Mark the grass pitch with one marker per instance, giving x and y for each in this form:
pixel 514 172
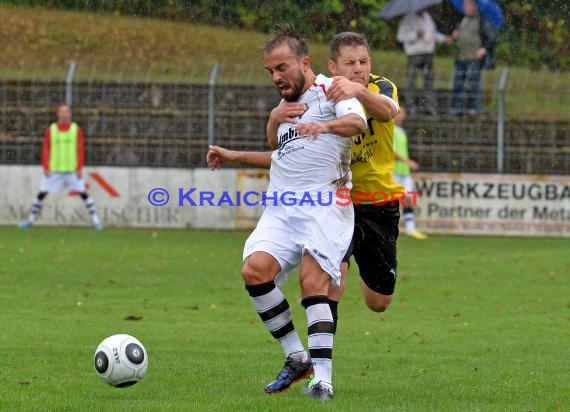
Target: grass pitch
pixel 477 324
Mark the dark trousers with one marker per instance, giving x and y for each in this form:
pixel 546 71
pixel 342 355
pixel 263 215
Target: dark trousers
pixel 466 87
pixel 422 63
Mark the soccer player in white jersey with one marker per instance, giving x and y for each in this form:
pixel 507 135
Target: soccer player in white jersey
pixel 312 156
pixel 376 226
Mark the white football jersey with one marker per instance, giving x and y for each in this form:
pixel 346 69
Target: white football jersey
pixel 320 164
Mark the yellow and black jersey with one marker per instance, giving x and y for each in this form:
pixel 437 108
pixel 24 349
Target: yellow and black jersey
pixel 373 158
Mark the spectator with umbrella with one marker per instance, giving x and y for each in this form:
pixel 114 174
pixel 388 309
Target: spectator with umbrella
pixel 476 39
pixel 418 33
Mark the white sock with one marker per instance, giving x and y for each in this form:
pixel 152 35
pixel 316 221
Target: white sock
pixel 36 209
pixel 90 205
pixel 274 311
pixel 320 337
pixel 410 219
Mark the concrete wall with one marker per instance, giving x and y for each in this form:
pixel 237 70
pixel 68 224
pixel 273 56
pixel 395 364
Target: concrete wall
pixel 465 204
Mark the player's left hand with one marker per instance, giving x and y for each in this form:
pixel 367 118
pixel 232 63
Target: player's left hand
pixel 342 89
pixel 311 130
pixel 218 156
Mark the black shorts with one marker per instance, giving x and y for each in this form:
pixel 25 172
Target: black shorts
pixel 374 245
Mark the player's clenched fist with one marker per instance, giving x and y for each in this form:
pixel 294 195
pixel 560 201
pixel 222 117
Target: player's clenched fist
pixel 342 89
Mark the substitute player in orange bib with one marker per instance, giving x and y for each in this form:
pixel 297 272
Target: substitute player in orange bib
pixel 62 161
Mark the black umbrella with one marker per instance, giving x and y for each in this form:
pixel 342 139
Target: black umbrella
pixel 396 8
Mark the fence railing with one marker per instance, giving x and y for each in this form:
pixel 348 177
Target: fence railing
pixel 167 119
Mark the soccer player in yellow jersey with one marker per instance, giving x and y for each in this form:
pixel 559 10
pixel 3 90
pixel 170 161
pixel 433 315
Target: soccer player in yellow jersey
pixel 376 227
pixel 372 165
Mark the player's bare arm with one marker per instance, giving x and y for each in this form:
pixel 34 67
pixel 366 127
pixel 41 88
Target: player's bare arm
pixel 410 162
pixel 345 126
pixel 218 156
pixel 380 107
pixel 285 112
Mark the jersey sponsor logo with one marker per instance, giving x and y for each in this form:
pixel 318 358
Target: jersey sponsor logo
pixel 358 139
pixel 362 157
pixel 287 137
pixel 366 145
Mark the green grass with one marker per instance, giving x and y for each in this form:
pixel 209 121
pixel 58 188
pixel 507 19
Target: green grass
pixel 477 324
pixel 39 43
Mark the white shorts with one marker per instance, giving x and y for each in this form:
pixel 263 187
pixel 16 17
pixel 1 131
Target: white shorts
pixel 406 181
pixel 287 232
pixel 57 182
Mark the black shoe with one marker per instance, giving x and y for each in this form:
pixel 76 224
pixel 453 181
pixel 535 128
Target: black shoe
pixel 319 391
pixel 293 371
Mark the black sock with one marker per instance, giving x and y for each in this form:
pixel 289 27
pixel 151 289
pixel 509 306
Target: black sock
pixel 334 311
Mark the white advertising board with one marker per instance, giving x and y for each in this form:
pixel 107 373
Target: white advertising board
pixel 485 204
pixel 123 198
pixel 463 204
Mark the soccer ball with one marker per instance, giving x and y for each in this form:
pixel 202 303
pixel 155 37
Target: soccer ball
pixel 121 360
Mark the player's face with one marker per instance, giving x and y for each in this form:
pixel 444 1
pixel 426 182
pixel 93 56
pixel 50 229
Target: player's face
pixel 64 114
pixel 287 72
pixel 353 62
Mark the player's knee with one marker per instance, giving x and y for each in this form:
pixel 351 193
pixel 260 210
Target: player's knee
pixel 377 306
pixel 314 283
pixel 379 303
pixel 250 275
pixel 307 284
pixel 257 271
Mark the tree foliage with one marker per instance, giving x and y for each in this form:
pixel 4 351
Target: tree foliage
pixel 536 33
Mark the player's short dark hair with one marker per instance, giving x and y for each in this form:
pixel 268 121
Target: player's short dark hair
pixel 284 33
pixel 347 38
